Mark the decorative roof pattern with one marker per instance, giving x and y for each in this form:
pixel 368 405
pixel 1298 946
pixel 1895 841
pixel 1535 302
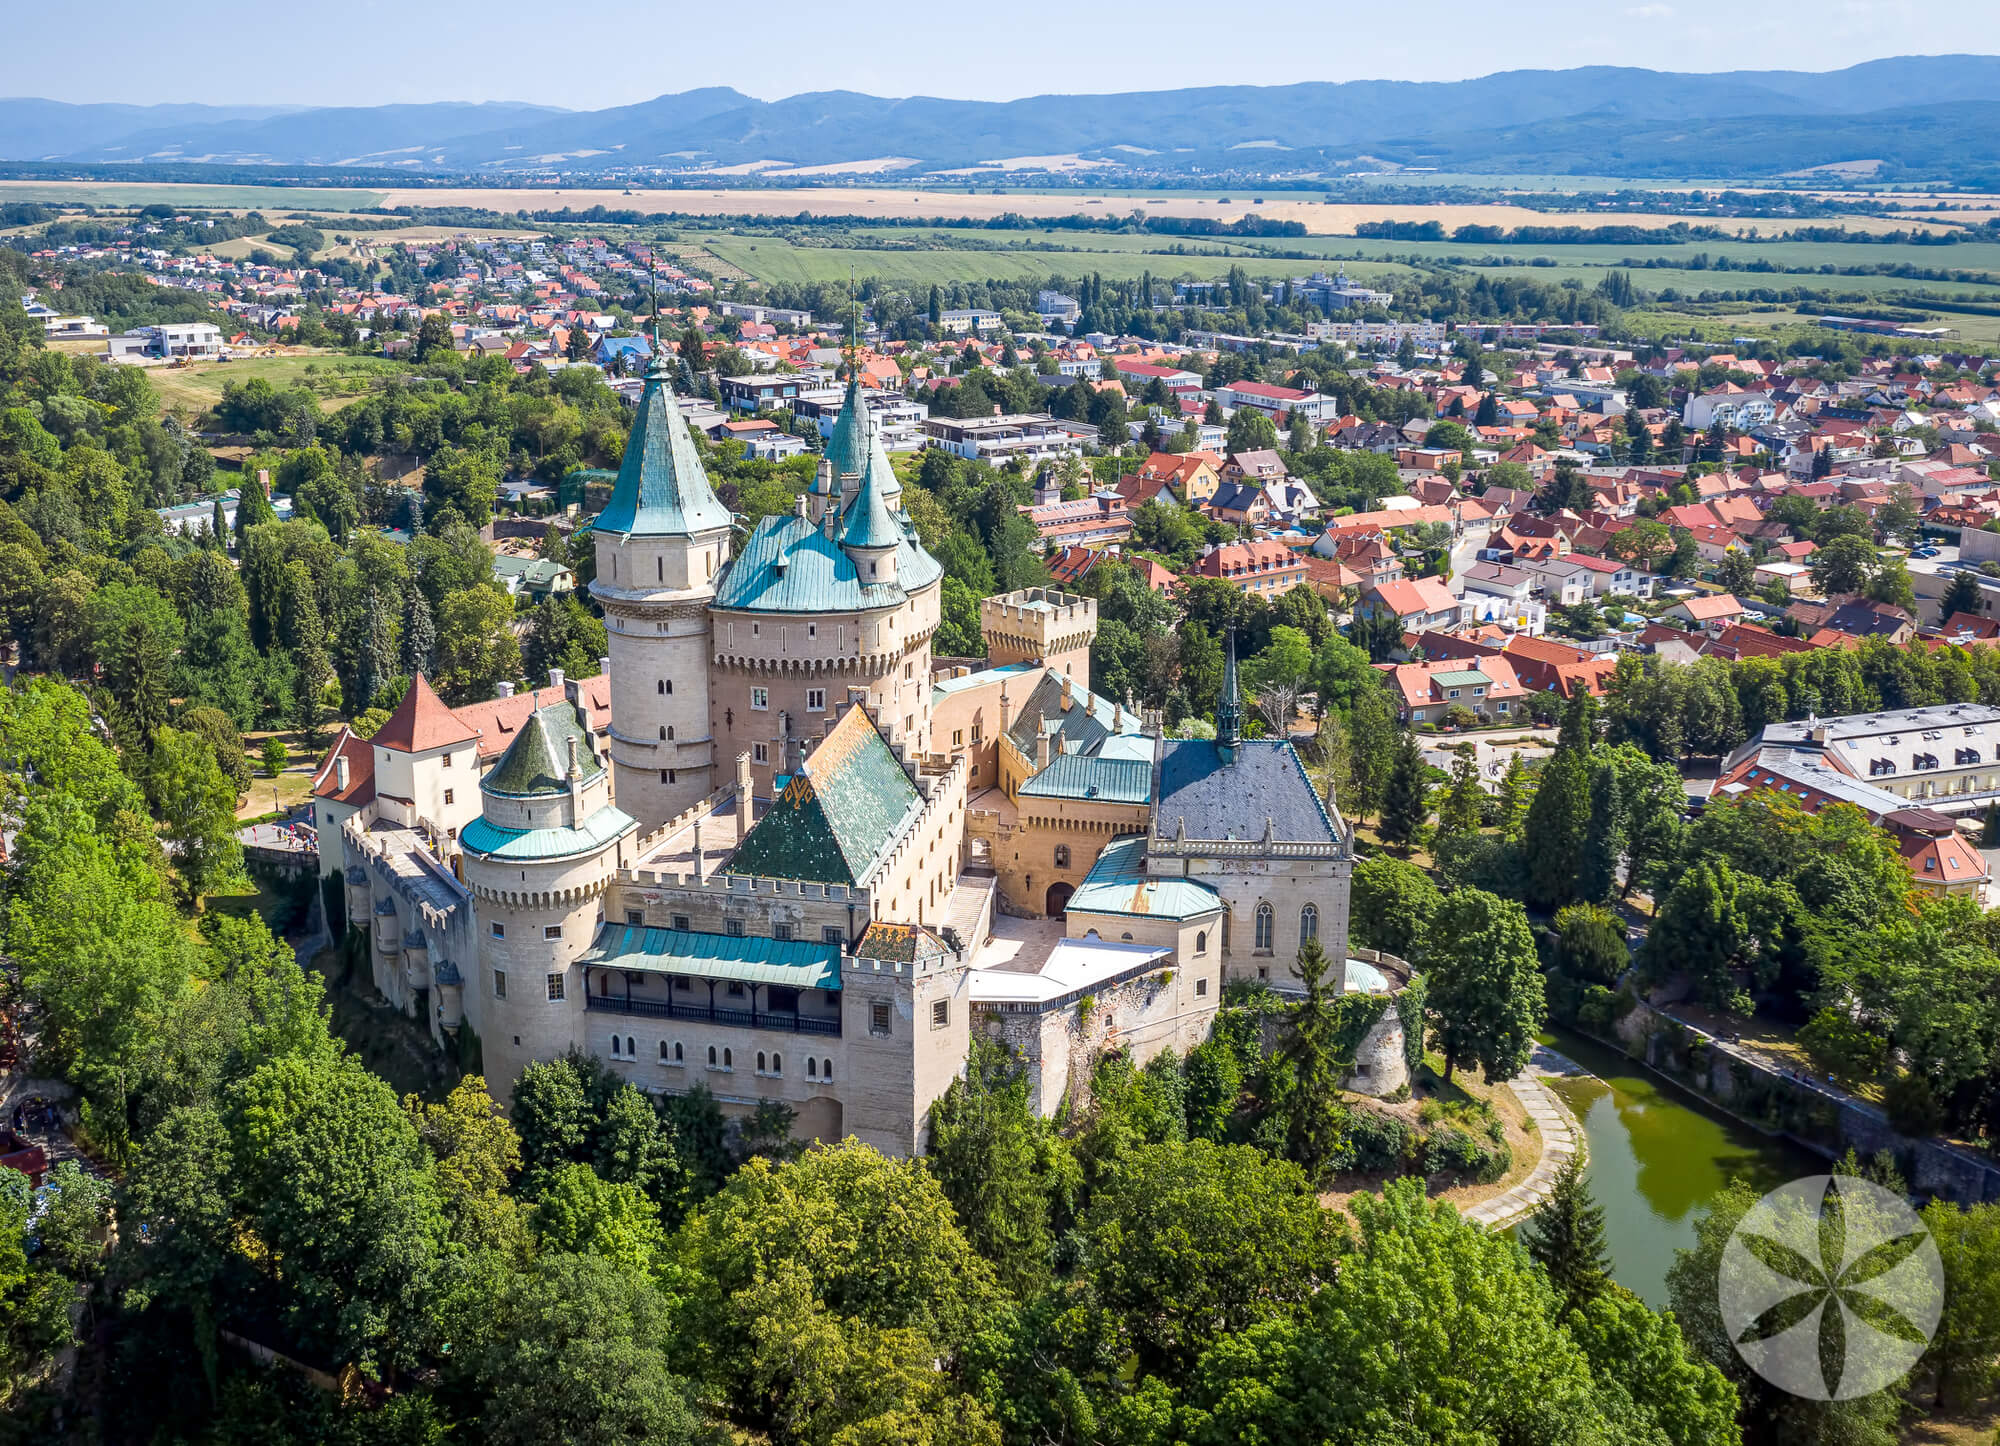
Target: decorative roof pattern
pixel 1119 884
pixel 899 943
pixel 662 490
pixel 838 817
pixel 1232 799
pixel 536 763
pixel 787 963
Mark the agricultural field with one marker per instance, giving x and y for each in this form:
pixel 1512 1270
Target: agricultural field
pixel 339 379
pixel 771 259
pixel 146 193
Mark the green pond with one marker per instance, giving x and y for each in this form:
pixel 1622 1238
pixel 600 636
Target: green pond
pixel 1657 1154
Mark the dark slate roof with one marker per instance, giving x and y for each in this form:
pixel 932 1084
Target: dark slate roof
pixel 661 489
pixel 836 818
pixel 536 763
pixel 1235 496
pixel 789 565
pixel 1231 800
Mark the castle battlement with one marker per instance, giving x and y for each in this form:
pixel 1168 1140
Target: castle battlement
pixel 1038 625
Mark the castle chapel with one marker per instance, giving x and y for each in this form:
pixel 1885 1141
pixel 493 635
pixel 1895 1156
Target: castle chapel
pixel 775 849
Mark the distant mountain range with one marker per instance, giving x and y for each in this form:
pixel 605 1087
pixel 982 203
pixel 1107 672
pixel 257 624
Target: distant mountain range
pixel 1915 115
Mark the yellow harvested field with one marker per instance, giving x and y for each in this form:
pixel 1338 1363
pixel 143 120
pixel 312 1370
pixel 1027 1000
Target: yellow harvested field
pixel 899 205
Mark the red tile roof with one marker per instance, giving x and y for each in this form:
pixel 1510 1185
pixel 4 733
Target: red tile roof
pixel 421 722
pixel 360 756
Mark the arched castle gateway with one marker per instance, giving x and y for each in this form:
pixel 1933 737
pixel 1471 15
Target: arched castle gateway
pixel 772 849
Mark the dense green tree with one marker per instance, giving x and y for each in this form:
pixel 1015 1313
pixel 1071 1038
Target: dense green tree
pixel 476 647
pixel 1553 834
pixel 1843 565
pixel 1391 904
pixel 478 1157
pixel 1565 1235
pixel 579 1211
pixel 1590 943
pixel 1965 1351
pixel 1485 984
pixel 1193 1243
pixel 197 808
pixel 576 1349
pixel 1405 796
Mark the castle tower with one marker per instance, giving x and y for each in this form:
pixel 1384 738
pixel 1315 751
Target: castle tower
pixel 538 859
pixel 869 534
pixel 660 542
pixel 1040 625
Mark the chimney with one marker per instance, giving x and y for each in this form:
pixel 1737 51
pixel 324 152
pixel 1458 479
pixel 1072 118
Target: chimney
pixel 743 785
pixel 697 848
pixel 604 667
pixel 264 480
pixel 1042 749
pixel 1006 709
pixel 506 690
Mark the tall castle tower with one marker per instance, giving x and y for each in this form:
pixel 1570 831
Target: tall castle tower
pixel 659 544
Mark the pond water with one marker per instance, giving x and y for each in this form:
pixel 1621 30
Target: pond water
pixel 1656 1156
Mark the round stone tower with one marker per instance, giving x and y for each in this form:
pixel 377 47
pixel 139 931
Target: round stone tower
pixel 538 859
pixel 660 542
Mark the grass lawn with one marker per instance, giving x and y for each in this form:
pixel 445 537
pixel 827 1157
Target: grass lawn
pixel 337 377
pixel 290 786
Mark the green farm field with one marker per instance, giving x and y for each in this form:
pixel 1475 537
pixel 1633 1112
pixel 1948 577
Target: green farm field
pixel 1792 255
pixel 770 259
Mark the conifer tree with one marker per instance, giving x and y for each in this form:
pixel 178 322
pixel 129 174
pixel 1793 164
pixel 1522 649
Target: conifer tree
pixel 1553 834
pixel 419 652
pixel 1404 802
pixel 1566 1238
pixel 376 662
pixel 1464 801
pixel 1603 839
pixel 1512 806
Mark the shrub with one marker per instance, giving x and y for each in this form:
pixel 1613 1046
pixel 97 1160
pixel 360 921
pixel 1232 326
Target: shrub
pixel 1451 1150
pixel 1913 1106
pixel 1377 1143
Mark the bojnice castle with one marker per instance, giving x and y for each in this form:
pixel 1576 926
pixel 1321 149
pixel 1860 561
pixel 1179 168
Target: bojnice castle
pixel 773 849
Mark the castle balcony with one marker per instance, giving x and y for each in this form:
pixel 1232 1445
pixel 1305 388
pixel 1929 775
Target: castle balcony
pixel 712 1014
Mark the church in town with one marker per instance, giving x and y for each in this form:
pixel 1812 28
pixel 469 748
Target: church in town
pixel 776 849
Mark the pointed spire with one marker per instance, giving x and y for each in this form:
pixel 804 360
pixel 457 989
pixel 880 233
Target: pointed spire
pixel 870 521
pixel 662 489
pixel 1229 708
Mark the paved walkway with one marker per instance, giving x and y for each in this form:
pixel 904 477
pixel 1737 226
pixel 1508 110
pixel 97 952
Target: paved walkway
pixel 1561 1138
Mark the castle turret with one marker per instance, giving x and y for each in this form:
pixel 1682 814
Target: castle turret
pixel 660 542
pixel 870 534
pixel 538 859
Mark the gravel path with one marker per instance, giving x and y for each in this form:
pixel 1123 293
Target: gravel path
pixel 1561 1137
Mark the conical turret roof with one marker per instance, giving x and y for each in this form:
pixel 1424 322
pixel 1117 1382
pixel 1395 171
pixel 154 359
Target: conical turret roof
pixel 847 448
pixel 536 763
pixel 662 490
pixel 869 521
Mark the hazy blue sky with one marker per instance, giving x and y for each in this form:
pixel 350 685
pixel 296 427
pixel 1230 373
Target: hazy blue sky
pixel 363 52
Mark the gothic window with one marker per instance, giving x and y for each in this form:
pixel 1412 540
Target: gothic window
pixel 1201 942
pixel 662 686
pixel 711 1056
pixel 812 1067
pixel 663 732
pixel 631 1047
pixel 1264 920
pixel 760 1061
pixel 1308 924
pixel 727 1062
pixel 827 1073
pixel 777 1064
pixel 670 733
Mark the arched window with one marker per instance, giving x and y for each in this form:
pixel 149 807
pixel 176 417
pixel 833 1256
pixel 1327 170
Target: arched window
pixel 760 1061
pixel 631 1047
pixel 1201 942
pixel 677 1051
pixel 711 1056
pixel 663 1052
pixel 663 732
pixel 661 686
pixel 1264 921
pixel 727 1062
pixel 1308 924
pixel 670 733
pixel 1062 856
pixel 812 1067
pixel 827 1073
pixel 777 1064
pixel 614 1046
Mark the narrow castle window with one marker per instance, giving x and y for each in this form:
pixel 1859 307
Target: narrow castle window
pixel 1201 942
pixel 711 1056
pixel 631 1047
pixel 1264 921
pixel 1308 924
pixel 499 983
pixel 760 1061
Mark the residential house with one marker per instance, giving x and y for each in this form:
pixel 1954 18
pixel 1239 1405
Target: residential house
pixel 1429 691
pixel 1419 604
pixel 1707 613
pixel 1266 569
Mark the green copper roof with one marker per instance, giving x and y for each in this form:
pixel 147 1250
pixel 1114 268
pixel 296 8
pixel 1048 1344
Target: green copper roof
pixel 536 763
pixel 716 956
pixel 833 821
pixel 662 490
pixel 531 845
pixel 1102 780
pixel 869 522
pixel 1119 884
pixel 847 447
pixel 789 566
